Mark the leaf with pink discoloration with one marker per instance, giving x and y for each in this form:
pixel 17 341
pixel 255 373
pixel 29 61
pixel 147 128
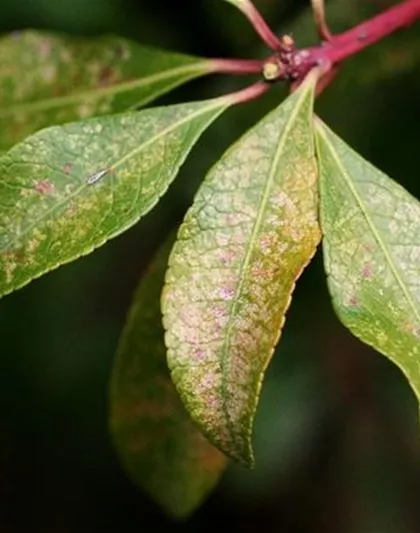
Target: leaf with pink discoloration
pixel 68 189
pixel 250 232
pixel 372 253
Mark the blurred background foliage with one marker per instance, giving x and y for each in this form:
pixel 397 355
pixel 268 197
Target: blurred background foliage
pixel 337 437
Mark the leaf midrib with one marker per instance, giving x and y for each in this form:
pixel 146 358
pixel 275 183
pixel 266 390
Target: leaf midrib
pixel 249 249
pixel 96 93
pixel 388 256
pixel 212 104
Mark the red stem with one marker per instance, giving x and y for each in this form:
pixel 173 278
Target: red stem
pixel 261 27
pixel 249 93
pixel 399 16
pixel 236 66
pixel 296 64
pixel 369 32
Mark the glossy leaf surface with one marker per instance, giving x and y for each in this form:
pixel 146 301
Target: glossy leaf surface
pixel 244 242
pixel 68 189
pixel 372 253
pixel 159 446
pixel 48 79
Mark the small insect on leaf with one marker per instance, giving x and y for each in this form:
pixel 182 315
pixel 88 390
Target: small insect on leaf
pixel 93 178
pixel 46 196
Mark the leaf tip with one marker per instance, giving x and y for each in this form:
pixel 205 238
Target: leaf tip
pixel 247 459
pixel 180 509
pixel 239 448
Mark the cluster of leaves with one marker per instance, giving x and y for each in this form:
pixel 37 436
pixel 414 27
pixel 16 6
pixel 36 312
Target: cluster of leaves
pixel 229 272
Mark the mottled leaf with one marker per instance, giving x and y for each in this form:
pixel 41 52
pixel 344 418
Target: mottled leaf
pixel 68 189
pixel 159 446
pixel 48 79
pixel 371 228
pixel 249 234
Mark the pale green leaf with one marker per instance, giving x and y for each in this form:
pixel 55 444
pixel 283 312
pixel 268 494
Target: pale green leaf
pixel 240 4
pixel 244 242
pixel 159 446
pixel 48 79
pixel 52 213
pixel 371 228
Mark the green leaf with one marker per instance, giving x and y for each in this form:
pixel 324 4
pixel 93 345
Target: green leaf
pixel 51 209
pixel 249 234
pixel 240 4
pixel 371 228
pixel 48 79
pixel 159 446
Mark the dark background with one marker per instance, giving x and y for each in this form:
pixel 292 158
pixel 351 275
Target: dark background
pixel 336 438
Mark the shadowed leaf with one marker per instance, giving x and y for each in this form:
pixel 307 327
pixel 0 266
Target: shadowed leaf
pixel 68 189
pixel 159 446
pixel 48 79
pixel 372 253
pixel 249 234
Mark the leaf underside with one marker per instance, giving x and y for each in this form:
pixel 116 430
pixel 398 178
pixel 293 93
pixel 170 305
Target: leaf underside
pixel 50 212
pixel 250 232
pixel 159 446
pixel 48 79
pixel 372 253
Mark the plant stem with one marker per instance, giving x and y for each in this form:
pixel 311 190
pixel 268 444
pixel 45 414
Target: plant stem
pixel 249 93
pixel 236 66
pixel 318 8
pixel 351 42
pixel 259 24
pixel 291 64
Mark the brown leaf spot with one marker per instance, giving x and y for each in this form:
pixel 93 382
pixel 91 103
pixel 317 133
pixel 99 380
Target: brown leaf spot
pixel 44 187
pixel 354 301
pixel 106 76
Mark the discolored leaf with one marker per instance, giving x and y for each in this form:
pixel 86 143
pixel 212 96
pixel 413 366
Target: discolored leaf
pixel 372 253
pixel 68 189
pixel 249 234
pixel 48 79
pixel 159 446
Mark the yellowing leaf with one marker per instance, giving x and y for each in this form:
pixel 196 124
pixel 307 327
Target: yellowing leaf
pixel 244 242
pixel 48 79
pixel 159 446
pixel 372 253
pixel 68 189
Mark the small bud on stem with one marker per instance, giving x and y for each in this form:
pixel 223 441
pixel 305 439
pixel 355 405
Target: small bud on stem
pixel 291 64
